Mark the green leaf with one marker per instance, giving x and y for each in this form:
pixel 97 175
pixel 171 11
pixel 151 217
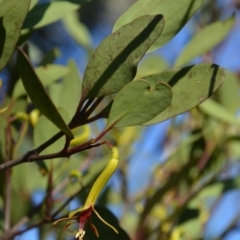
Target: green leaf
pixel 151 65
pixel 46 13
pixel 228 94
pixel 176 16
pixel 37 93
pixel 219 112
pixel 137 103
pixel 47 74
pixel 43 131
pixel 33 4
pixel 70 90
pixel 77 30
pixel 190 85
pixel 12 15
pixel 204 41
pixel 114 62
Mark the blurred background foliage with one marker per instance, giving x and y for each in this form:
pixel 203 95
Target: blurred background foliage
pixel 178 180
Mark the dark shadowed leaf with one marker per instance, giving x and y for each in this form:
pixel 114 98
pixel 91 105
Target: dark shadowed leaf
pixel 12 15
pixel 175 14
pixel 47 74
pixel 137 102
pixel 190 85
pixel 37 93
pixel 114 62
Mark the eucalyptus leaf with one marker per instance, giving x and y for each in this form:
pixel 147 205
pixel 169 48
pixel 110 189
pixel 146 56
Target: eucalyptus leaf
pixel 114 62
pixel 43 131
pixel 46 13
pixel 219 112
pixel 33 4
pixel 47 74
pixel 71 88
pixel 137 103
pixel 77 30
pixel 176 15
pixel 151 65
pixel 190 85
pixel 228 94
pixel 12 15
pixel 204 41
pixel 37 93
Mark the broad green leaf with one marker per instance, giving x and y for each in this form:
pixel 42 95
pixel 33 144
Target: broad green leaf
pixel 175 14
pixel 37 93
pixel 204 41
pixel 77 30
pixel 33 4
pixel 47 74
pixel 114 62
pixel 137 103
pixel 43 131
pixel 54 91
pixel 12 15
pixel 190 85
pixel 70 92
pixel 228 94
pixel 22 179
pixel 46 13
pixel 151 65
pixel 219 112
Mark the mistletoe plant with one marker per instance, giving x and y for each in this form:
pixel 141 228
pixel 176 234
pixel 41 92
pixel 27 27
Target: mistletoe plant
pixel 113 88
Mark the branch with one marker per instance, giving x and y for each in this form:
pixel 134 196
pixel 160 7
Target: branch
pixel 15 230
pixel 33 155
